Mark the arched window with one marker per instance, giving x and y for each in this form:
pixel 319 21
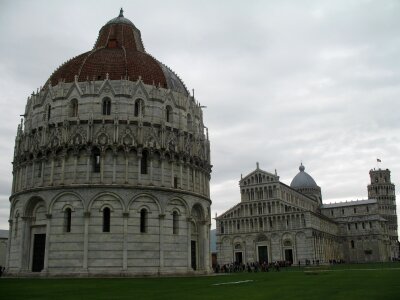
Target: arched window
pixel 106 219
pixel 175 222
pixel 68 219
pixel 96 160
pixel 106 106
pixel 168 113
pixel 143 163
pixel 73 108
pixel 352 244
pixel 139 108
pixel 48 112
pixel 189 122
pixel 143 220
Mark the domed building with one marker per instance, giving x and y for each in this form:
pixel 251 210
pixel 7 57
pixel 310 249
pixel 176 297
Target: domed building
pixel 111 168
pixel 305 184
pixel 290 224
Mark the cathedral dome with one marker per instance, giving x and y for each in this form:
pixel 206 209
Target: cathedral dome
pixel 118 54
pixel 303 180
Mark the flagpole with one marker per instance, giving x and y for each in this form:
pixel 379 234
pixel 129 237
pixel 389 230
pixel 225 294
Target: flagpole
pixel 378 161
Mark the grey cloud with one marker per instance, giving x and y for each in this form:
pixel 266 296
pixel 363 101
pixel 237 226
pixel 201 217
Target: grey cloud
pixel 283 81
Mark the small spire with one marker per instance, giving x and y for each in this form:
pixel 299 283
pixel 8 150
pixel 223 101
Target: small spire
pixel 121 13
pixel 258 165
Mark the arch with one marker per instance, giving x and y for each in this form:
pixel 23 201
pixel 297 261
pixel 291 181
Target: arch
pixel 67 206
pixel 238 246
pixel 138 108
pixel 106 106
pixel 62 194
pixel 73 108
pixel 237 240
pixel 105 194
pixel 106 205
pixel 261 238
pixel 197 212
pixel 144 195
pixel 14 209
pixel 287 243
pixel 183 202
pixel 168 114
pixel 226 240
pixel 31 205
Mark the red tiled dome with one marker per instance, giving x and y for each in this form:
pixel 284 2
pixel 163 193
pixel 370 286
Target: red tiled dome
pixel 118 52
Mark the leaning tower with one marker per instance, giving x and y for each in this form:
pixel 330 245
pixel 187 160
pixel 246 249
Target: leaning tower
pixel 383 190
pixel 111 168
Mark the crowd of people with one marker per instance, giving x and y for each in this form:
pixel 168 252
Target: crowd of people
pixel 251 267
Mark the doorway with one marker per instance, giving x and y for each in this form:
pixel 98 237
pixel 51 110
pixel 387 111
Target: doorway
pixel 239 257
pixel 39 245
pixel 193 254
pixel 262 254
pixel 289 255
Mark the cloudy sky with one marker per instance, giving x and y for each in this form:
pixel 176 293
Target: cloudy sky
pixel 283 81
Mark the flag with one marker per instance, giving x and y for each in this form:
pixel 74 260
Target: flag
pixel 378 160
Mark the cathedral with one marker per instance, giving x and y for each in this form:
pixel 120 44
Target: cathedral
pixel 111 168
pixel 277 222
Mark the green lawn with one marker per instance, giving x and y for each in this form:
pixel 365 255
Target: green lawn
pixel 373 281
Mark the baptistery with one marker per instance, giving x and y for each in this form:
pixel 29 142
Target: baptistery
pixel 111 168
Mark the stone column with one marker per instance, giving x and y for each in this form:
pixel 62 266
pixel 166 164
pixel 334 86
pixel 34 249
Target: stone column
pixel 10 231
pixel 46 249
pixel 102 155
pixel 188 177
pixel 200 182
pixel 139 168
pixel 52 170
pixel 114 167
pixel 75 166
pixel 162 170
pixel 33 174
pixel 204 256
pixel 24 244
pixel 63 168
pixel 42 173
pixel 161 241
pixel 151 168
pixel 26 176
pixel 172 173
pixel 189 238
pixel 125 245
pixel 126 167
pixel 88 155
pixel 20 177
pixel 86 216
pixel 194 179
pixel 13 189
pixel 180 175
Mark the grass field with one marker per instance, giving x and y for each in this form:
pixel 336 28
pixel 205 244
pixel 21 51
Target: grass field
pixel 372 281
